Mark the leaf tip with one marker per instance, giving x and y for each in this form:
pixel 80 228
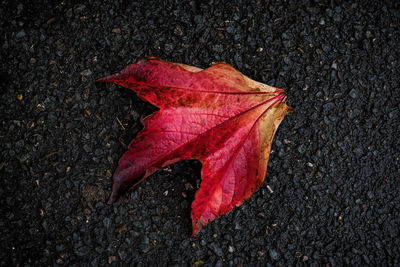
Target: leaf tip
pixel 196 228
pixel 196 224
pixel 201 221
pixel 110 78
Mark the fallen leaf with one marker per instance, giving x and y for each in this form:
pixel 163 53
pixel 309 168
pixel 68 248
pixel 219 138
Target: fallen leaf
pixel 216 115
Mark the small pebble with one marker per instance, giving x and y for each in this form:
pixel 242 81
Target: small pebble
pixel 20 34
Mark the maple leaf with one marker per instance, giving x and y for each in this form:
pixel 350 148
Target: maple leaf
pixel 216 115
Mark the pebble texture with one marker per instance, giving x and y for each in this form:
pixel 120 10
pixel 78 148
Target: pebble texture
pixel 331 196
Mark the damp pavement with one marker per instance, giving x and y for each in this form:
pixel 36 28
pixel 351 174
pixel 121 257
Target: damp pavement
pixel 331 195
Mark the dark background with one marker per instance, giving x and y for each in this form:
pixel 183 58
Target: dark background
pixel 334 165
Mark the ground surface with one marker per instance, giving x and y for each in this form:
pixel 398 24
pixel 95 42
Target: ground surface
pixel 333 171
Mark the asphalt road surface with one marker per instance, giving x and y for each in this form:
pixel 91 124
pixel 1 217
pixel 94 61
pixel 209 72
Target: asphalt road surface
pixel 331 195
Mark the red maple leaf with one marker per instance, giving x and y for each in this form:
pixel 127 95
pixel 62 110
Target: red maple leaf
pixel 216 115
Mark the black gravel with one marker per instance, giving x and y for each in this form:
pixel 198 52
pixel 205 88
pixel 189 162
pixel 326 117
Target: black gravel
pixel 332 194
